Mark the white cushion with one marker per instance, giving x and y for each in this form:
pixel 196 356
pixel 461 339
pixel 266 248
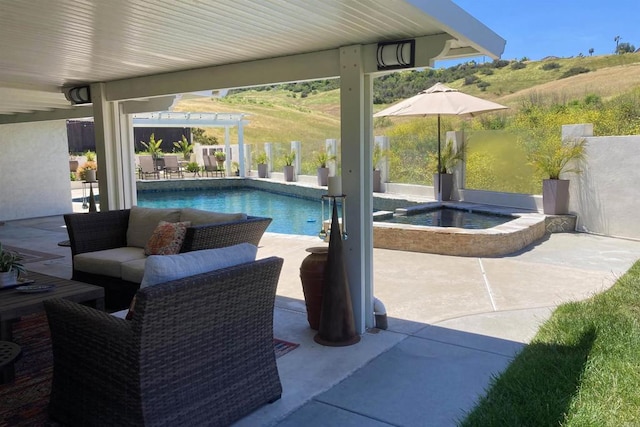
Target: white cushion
pixel 200 217
pixel 164 268
pixel 122 314
pixel 107 262
pixel 143 221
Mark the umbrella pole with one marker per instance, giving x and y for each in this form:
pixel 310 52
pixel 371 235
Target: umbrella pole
pixel 439 164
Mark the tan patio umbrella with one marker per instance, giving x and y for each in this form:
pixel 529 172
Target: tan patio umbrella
pixel 440 100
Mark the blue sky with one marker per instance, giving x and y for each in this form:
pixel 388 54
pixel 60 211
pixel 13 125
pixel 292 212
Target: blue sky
pixel 564 28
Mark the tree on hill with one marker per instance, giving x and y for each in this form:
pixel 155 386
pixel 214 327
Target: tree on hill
pixel 591 50
pixel 625 48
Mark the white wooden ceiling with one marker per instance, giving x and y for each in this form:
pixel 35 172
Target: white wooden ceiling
pixel 48 44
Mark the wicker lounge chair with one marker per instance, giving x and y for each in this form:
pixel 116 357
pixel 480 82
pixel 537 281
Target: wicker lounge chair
pixel 108 230
pixel 198 351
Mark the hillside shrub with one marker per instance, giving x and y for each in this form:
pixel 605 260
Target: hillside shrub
pixel 550 66
pixel 574 71
pixel 486 71
pixel 518 65
pixel 482 85
pixel 469 80
pixel 500 63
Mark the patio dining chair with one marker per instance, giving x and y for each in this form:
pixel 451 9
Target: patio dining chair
pixel 172 167
pixel 148 168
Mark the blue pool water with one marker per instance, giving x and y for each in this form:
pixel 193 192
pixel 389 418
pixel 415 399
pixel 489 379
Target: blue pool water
pixel 447 217
pixel 291 215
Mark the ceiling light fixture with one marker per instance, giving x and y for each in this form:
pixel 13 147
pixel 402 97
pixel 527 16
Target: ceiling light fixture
pixel 396 55
pixel 78 95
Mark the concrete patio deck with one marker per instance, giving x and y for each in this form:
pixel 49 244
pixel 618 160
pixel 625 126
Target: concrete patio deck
pixel 453 323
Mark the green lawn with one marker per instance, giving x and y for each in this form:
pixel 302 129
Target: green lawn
pixel 581 369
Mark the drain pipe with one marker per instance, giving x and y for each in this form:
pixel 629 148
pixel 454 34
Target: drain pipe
pixel 380 313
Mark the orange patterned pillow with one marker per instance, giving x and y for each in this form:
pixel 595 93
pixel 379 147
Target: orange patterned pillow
pixel 167 238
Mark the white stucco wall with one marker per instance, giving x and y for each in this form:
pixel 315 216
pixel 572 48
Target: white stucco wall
pixel 34 170
pixel 606 195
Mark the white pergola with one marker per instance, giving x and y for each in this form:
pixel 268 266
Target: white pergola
pixel 136 55
pixel 223 120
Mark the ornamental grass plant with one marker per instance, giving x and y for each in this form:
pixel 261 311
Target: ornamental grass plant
pixel 581 369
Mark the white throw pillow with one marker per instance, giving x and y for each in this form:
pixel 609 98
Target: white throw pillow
pixel 164 268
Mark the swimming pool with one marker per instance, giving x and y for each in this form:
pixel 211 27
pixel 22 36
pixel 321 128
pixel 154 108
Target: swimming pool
pixel 291 215
pixel 301 214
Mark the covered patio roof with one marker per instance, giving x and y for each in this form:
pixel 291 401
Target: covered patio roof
pixel 132 56
pixel 48 46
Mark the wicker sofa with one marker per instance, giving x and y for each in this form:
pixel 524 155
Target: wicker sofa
pixel 197 351
pixel 108 252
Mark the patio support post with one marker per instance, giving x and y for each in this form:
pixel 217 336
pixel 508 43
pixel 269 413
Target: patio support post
pixel 227 152
pixel 114 150
pixel 241 155
pixel 356 122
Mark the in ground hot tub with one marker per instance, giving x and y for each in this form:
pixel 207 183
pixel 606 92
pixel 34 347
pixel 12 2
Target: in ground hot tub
pixel 460 229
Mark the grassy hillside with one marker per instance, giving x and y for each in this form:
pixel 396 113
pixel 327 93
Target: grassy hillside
pixel 508 84
pixel 275 116
pixel 281 116
pixel 540 97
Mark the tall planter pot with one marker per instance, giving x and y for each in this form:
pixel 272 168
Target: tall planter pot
pixel 262 170
pixel 323 176
pixel 377 181
pixel 312 275
pixel 90 175
pixel 555 196
pixel 288 173
pixel 447 185
pixel 8 278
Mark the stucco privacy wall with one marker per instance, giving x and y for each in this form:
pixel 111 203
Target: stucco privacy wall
pixel 606 195
pixel 34 170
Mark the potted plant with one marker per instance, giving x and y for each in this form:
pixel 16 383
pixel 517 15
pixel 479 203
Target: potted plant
pixel 220 158
pixel 289 158
pixel 10 266
pixel 322 158
pixel 193 167
pixel 262 159
pixel 553 158
pixel 153 147
pixel 87 171
pixel 449 159
pixel 235 168
pixel 184 147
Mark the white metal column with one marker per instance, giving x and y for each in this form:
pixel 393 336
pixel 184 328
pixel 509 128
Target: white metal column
pixel 356 131
pixel 114 150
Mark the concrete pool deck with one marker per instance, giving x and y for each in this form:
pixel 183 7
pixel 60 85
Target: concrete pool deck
pixel 453 322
